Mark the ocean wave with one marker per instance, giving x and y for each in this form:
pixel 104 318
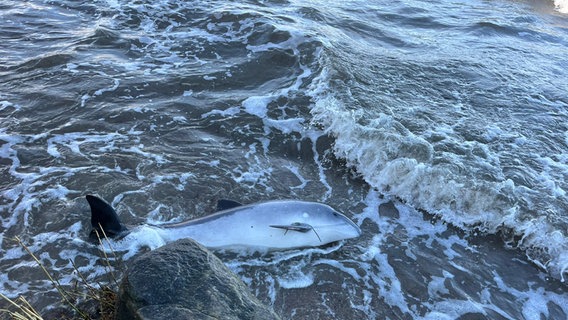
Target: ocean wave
pixel 400 164
pixel 477 139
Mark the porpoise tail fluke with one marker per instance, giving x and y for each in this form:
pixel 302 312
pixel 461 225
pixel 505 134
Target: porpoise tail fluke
pixel 104 218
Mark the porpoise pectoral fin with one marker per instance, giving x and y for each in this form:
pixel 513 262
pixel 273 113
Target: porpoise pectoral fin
pixel 297 226
pixel 225 204
pixel 104 217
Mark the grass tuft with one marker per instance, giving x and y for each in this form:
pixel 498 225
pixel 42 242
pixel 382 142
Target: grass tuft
pixel 79 299
pixel 24 311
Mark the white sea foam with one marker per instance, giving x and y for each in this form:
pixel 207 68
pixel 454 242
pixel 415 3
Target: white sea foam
pixel 286 126
pixel 437 286
pixel 561 5
pixel 116 83
pixel 296 278
pixel 73 141
pixel 534 301
pixel 141 237
pixel 296 171
pixel 7 104
pixel 257 105
pixel 139 149
pixel 453 309
pixel 232 111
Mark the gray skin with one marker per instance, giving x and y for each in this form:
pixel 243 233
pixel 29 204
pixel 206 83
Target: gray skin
pixel 271 225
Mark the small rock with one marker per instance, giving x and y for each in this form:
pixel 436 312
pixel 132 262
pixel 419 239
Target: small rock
pixel 388 209
pixel 184 280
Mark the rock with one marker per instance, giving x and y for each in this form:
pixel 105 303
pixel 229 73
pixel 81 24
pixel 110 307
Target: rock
pixel 183 280
pixel 388 210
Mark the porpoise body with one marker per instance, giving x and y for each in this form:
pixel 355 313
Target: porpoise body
pixel 272 225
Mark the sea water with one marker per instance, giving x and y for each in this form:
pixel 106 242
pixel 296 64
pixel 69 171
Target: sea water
pixel 439 127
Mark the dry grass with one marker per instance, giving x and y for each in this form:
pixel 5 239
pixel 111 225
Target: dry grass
pixel 22 309
pixel 86 300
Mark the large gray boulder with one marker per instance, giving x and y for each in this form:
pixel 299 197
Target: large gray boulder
pixel 183 280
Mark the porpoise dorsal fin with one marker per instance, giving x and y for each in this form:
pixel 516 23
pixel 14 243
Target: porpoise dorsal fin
pixel 225 204
pixel 103 216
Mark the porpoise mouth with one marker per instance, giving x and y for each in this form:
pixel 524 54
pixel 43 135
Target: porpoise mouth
pixel 356 227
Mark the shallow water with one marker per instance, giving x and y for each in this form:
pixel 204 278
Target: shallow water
pixel 438 127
